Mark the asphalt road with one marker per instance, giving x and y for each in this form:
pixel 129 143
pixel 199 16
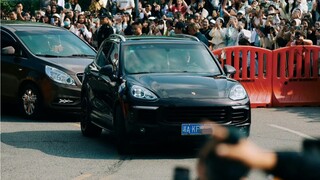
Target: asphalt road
pixel 54 148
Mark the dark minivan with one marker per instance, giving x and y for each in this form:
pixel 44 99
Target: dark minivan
pixel 42 67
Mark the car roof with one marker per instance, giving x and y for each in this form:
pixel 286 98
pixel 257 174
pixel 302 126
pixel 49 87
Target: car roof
pixel 183 38
pixel 26 26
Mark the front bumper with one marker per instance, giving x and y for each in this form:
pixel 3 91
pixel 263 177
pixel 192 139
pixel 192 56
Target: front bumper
pixel 62 97
pixel 165 121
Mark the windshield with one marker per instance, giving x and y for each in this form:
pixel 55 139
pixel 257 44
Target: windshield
pixel 55 43
pixel 168 58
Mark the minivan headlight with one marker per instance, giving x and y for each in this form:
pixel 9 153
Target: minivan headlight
pixel 142 93
pixel 59 76
pixel 237 92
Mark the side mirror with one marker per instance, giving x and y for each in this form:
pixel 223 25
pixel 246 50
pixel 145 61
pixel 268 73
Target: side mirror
pixel 107 71
pixel 229 70
pixel 9 50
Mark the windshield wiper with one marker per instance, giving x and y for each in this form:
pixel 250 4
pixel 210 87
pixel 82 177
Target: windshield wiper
pixel 141 73
pixel 81 55
pixel 47 55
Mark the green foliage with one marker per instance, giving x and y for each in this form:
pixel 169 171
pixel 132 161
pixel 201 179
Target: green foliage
pixel 28 6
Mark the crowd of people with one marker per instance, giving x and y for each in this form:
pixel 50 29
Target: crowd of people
pixel 218 23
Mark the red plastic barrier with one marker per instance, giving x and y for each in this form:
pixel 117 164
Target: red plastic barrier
pixel 296 80
pixel 255 75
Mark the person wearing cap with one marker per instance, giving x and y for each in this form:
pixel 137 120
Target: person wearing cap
pixel 106 28
pixel 218 33
pixel 56 20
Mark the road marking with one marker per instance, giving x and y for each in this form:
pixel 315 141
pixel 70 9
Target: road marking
pixel 83 176
pixel 292 131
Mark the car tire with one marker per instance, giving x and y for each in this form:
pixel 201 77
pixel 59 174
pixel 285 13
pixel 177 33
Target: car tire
pixel 121 136
pixel 88 129
pixel 30 102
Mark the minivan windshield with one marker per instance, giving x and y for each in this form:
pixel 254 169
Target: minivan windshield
pixel 168 58
pixel 55 42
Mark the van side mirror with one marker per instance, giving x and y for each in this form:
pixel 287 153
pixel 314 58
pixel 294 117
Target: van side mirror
pixel 229 70
pixel 9 50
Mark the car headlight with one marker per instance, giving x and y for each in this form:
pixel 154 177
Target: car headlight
pixel 142 93
pixel 237 92
pixel 59 76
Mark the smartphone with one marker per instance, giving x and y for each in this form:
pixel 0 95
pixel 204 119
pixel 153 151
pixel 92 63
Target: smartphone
pixel 52 21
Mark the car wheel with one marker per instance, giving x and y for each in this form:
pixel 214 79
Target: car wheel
pixel 122 138
pixel 88 129
pixel 30 102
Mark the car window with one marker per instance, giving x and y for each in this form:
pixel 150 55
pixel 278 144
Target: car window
pixel 103 57
pixel 55 43
pixel 7 41
pixel 168 58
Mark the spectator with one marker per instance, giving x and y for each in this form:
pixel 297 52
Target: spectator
pixel 169 28
pixel 12 16
pixel 137 28
pixel 125 6
pixel 57 20
pixel 73 5
pixel 105 29
pixel 180 6
pixel 299 39
pixel 127 21
pixel 81 30
pixel 205 29
pixel 232 32
pixel 179 28
pixel 59 8
pixel 19 12
pixel 194 29
pixel 96 5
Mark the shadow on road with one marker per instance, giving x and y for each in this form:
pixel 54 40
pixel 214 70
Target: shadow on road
pixel 306 112
pixel 11 113
pixel 71 144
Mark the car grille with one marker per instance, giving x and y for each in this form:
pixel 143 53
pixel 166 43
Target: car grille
pixel 196 114
pixel 80 76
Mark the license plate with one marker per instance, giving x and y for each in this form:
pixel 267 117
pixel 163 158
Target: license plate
pixel 195 129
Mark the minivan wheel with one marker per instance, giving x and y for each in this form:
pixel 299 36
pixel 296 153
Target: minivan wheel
pixel 122 138
pixel 30 103
pixel 88 129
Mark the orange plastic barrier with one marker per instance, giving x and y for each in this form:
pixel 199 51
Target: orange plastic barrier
pixel 296 80
pixel 254 71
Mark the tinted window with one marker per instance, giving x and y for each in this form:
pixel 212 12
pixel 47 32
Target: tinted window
pixel 54 42
pixel 103 57
pixel 168 58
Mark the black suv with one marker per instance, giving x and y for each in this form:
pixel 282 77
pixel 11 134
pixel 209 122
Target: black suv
pixel 154 86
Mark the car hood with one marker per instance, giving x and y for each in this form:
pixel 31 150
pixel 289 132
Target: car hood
pixel 72 64
pixel 185 86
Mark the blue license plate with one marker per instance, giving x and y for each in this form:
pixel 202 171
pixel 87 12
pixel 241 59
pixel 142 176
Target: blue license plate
pixel 195 129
